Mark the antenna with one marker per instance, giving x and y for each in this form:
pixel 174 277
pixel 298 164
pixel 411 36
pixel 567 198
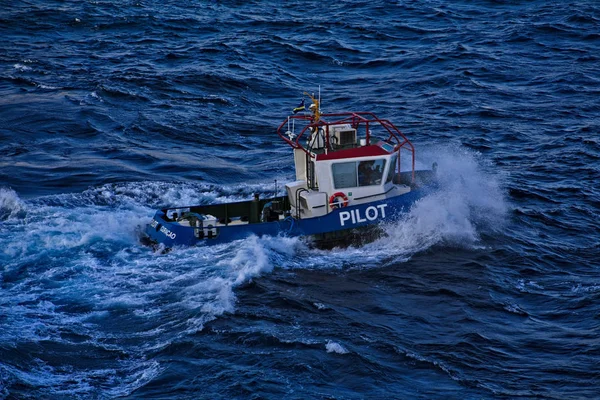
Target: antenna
pixel 289 133
pixel 319 98
pixel 275 187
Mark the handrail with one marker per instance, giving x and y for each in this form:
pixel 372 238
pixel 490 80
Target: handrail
pixel 355 119
pixel 298 191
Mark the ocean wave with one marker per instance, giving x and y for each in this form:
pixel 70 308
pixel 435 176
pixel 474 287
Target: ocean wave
pixel 11 206
pixel 112 111
pixel 335 347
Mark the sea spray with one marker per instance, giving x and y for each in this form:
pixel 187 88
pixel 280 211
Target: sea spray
pixel 469 199
pixel 335 347
pixel 11 205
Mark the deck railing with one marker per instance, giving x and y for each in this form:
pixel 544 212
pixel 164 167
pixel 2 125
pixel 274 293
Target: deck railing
pixel 358 121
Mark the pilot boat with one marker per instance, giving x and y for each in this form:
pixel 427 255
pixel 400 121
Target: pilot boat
pixel 348 178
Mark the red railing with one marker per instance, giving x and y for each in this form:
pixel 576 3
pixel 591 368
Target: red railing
pixel 355 119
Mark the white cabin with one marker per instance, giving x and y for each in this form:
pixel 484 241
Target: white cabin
pixel 336 169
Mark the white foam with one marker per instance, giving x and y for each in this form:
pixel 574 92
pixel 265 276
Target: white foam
pixel 10 204
pixel 96 96
pixel 21 67
pixel 257 255
pixel 585 289
pixel 469 200
pixel 334 347
pixel 527 286
pixel 64 381
pixel 178 194
pixel 82 249
pixel 63 229
pixel 48 87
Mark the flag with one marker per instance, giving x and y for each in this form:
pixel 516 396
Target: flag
pixel 299 108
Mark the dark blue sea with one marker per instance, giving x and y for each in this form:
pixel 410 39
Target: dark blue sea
pixel 487 288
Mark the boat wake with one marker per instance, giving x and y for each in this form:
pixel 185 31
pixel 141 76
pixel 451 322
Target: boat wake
pixel 74 261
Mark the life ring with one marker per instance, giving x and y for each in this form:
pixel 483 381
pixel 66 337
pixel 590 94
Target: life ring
pixel 336 204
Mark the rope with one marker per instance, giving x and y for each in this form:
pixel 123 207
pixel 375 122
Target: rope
pixel 291 221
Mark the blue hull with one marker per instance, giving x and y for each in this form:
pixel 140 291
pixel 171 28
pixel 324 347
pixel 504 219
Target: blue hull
pixel 171 234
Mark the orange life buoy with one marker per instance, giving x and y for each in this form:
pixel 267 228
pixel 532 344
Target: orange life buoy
pixel 337 204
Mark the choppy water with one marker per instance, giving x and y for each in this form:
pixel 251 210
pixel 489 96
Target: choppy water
pixel 488 288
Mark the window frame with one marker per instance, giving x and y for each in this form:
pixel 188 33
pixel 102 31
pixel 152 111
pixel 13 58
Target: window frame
pixel 333 174
pixel 356 174
pixel 392 167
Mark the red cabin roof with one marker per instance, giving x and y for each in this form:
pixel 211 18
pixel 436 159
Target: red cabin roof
pixel 365 151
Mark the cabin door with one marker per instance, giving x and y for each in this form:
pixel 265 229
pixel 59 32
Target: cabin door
pixel 311 180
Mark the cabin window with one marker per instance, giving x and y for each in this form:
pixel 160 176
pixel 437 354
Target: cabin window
pixel 387 147
pixel 392 170
pixel 354 174
pixel 344 175
pixel 370 172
